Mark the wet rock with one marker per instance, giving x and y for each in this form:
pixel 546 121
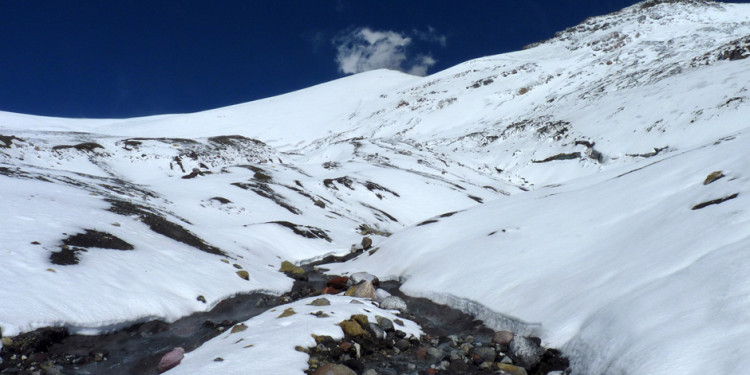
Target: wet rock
pixel 393 303
pixel 435 353
pixel 485 354
pixel 333 369
pixel 377 331
pixel 385 323
pixel 171 359
pixel 403 345
pixel 502 338
pixel 289 267
pixel 525 351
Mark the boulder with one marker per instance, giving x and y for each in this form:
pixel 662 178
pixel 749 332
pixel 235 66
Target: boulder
pixel 385 323
pixel 364 289
pixel 525 351
pixel 366 243
pixel 380 295
pixel 393 303
pixel 359 277
pixel 171 359
pixel 289 267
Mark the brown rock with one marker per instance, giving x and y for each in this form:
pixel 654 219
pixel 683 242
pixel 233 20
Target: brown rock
pixel 243 274
pixel 366 243
pixel 713 176
pixel 338 282
pixel 330 290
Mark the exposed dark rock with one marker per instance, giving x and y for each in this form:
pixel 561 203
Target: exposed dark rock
pixel 162 226
pixel 265 191
pixel 656 151
pixel 235 140
pixel 7 140
pixel 561 156
pixel 67 256
pixel 346 181
pixel 430 221
pixel 365 229
pixel 478 199
pixel 94 238
pixel 304 230
pixel 86 146
pixel 221 200
pixel 381 212
pixel 195 173
pixel 371 186
pixel 714 201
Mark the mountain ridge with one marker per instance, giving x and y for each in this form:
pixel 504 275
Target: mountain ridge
pixel 574 167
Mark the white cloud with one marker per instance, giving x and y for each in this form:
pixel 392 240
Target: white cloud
pixel 365 49
pixel 431 35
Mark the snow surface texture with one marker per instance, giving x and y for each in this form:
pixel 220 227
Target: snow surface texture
pixel 267 345
pixel 573 167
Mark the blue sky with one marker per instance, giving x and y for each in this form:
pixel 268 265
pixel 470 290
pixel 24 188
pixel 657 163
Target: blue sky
pixel 117 59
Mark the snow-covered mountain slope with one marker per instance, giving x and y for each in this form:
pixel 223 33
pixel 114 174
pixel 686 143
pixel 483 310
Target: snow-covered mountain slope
pixel 575 166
